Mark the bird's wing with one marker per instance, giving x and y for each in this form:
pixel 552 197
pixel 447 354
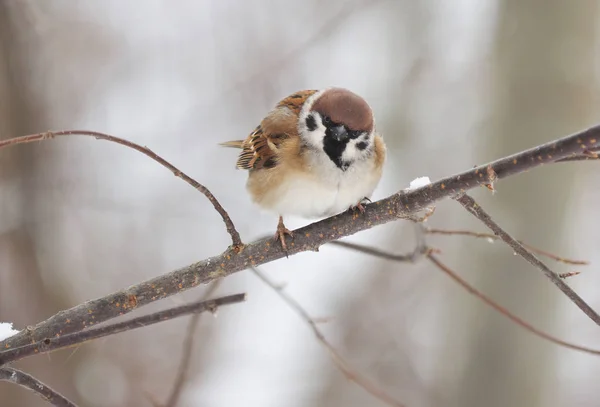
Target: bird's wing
pixel 260 149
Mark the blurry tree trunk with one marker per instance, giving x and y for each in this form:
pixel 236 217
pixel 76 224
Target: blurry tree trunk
pixel 542 88
pixel 23 299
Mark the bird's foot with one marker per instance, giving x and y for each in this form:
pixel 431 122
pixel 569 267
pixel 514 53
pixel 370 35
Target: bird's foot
pixel 281 232
pixel 359 206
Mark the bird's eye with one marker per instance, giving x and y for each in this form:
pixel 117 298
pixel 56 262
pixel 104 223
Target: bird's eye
pixel 354 133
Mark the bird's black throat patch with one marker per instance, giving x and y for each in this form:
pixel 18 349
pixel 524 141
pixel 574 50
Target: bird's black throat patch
pixel 334 150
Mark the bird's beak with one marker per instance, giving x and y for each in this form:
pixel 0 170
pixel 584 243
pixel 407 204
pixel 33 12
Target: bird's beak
pixel 339 133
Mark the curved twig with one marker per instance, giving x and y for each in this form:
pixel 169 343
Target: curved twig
pixel 235 236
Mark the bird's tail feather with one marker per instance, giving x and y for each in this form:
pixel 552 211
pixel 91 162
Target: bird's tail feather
pixel 233 144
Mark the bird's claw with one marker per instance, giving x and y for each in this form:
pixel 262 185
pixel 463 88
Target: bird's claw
pixel 359 206
pixel 280 234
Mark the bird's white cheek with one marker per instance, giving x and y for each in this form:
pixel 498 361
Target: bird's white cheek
pixel 353 153
pixel 350 152
pixel 315 137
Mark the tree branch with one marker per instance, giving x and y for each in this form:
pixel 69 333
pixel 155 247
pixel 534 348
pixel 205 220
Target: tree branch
pixel 417 253
pixel 476 210
pixel 235 236
pixel 50 344
pixel 29 382
pixel 398 206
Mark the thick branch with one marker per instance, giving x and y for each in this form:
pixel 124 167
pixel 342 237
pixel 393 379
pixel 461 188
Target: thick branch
pixel 398 206
pixel 39 388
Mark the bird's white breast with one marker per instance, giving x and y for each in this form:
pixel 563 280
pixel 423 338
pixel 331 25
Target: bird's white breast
pixel 324 189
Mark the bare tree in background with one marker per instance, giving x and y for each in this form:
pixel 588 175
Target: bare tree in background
pixel 22 112
pixel 541 84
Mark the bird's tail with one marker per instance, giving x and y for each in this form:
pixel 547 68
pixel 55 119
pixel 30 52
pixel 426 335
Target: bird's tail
pixel 233 144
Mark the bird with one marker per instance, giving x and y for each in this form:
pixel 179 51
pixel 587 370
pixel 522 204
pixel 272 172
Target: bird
pixel 315 154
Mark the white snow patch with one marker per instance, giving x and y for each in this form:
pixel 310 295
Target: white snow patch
pixel 6 330
pixel 418 183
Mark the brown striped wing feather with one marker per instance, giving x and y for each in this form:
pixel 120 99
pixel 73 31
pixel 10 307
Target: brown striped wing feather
pixel 260 148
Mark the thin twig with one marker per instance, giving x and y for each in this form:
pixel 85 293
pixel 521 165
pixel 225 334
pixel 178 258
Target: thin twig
pixel 429 253
pixel 476 210
pixel 579 158
pixel 55 343
pixel 416 254
pixel 587 154
pixel 188 349
pixel 401 205
pixel 31 383
pixel 409 258
pixel 450 232
pixel 235 236
pixel 337 359
pixel 522 323
pixel 569 274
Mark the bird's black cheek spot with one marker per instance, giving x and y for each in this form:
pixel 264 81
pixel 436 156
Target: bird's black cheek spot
pixel 311 123
pixel 362 145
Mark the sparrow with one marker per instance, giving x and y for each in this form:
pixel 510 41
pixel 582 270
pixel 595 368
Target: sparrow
pixel 316 154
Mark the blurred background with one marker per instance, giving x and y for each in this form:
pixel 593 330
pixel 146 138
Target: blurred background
pixel 453 84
